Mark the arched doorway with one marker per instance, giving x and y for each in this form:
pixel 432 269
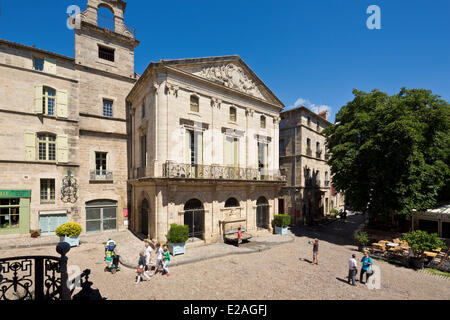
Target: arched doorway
pixel 262 213
pixel 194 217
pixel 144 217
pixel 231 203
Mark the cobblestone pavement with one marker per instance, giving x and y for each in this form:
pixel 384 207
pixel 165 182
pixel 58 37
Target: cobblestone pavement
pixel 283 272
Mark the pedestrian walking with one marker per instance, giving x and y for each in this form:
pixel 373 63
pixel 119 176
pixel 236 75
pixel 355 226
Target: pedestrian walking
pixel 316 251
pixel 141 268
pixel 166 258
pixel 352 269
pixel 148 256
pixel 239 233
pixel 366 267
pixel 159 258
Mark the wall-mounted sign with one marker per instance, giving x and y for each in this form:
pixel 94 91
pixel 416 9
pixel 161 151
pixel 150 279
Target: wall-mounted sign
pixel 15 193
pixel 125 212
pixel 125 222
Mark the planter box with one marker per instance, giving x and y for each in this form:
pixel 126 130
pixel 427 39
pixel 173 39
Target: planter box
pixel 177 248
pixel 74 242
pixel 280 230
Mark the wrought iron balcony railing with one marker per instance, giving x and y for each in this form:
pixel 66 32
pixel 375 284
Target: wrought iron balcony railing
pixel 198 171
pixel 101 175
pixel 327 183
pixel 319 154
pixel 327 156
pixel 310 182
pixel 308 152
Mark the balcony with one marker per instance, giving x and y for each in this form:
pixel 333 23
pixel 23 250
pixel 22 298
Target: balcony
pixel 319 154
pixel 308 152
pixel 197 171
pixel 312 183
pixel 327 183
pixel 101 175
pixel 327 156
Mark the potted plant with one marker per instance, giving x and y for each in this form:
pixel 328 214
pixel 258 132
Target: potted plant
pixel 334 212
pixel 69 232
pixel 420 241
pixel 281 221
pixel 362 239
pixel 35 233
pixel 176 238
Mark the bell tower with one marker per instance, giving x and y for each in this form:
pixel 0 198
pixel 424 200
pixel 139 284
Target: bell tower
pixel 108 48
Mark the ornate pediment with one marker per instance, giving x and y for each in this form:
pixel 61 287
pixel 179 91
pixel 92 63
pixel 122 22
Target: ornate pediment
pixel 231 76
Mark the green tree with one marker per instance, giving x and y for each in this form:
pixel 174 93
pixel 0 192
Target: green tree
pixel 390 154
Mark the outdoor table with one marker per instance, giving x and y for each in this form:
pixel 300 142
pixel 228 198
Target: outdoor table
pixel 430 254
pixel 393 245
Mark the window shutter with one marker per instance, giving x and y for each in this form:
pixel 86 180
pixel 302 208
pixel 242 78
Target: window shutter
pixel 61 100
pixel 236 152
pixel 199 147
pixel 228 151
pixel 50 65
pixel 30 146
pixel 63 148
pixel 187 147
pixel 38 99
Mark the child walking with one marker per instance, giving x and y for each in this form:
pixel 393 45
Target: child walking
pixel 159 258
pixel 239 237
pixel 166 260
pixel 141 267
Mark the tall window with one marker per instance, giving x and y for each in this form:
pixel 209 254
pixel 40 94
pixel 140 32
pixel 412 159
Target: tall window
pixel 143 110
pixel 9 213
pixel 47 147
pixel 195 104
pixel 262 122
pixel 308 146
pixel 318 146
pixel 263 155
pixel 107 108
pixel 231 151
pixel 309 121
pixel 48 101
pixel 47 190
pixel 100 163
pixel 106 53
pixel 143 151
pixel 233 116
pixel 38 64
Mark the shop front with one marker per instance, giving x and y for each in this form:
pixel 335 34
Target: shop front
pixel 14 211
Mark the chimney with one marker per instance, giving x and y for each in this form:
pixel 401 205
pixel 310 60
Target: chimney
pixel 323 114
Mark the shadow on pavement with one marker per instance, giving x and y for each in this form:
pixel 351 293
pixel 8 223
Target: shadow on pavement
pixel 337 232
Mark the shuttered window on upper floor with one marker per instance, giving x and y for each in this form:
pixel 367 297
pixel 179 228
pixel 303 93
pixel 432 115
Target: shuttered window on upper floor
pixel 51 102
pixel 46 147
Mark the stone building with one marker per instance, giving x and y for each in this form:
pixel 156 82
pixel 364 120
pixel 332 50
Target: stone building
pixel 61 115
pixel 309 193
pixel 204 149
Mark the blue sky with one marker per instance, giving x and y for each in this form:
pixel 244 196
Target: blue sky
pixel 307 51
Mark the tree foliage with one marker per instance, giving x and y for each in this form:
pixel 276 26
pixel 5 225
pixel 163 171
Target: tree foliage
pixel 390 154
pixel 421 241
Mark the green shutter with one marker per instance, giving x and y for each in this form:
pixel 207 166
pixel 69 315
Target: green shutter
pixel 63 148
pixel 61 100
pixel 30 146
pixel 38 99
pixel 24 215
pixel 50 65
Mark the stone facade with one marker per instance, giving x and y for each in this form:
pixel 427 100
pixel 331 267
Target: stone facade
pixel 308 194
pixel 78 122
pixel 206 160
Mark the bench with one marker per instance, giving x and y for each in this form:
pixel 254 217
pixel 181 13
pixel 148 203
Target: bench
pixel 231 235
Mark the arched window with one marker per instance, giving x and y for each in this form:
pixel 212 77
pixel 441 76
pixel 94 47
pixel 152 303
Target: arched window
pixel 105 17
pixel 233 114
pixel 263 122
pixel 195 104
pixel 232 202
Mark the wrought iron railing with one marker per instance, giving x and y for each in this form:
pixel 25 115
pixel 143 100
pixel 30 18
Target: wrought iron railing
pixel 101 175
pixel 198 171
pixel 38 277
pixel 327 183
pixel 308 152
pixel 327 156
pixel 318 154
